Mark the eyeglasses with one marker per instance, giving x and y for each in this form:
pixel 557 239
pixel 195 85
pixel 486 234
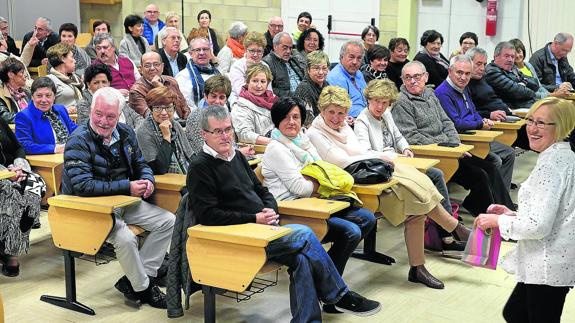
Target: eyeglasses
pixel 255 51
pixel 149 66
pixel 153 12
pixel 219 132
pixel 169 108
pixel 539 124
pixel 317 68
pixel 416 77
pixel 277 26
pixel 203 49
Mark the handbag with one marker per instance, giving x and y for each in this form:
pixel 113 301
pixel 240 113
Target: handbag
pixel 370 171
pixel 482 249
pixel 431 238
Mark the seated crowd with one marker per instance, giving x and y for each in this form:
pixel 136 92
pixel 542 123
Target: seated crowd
pixel 160 103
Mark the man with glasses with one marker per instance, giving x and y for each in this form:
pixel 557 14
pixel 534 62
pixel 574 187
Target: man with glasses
pixel 173 60
pixel 455 98
pixel 45 37
pixel 551 64
pixel 198 70
pixel 275 26
pixel 103 158
pixel 286 69
pixel 152 23
pixel 124 73
pixel 5 30
pixel 422 121
pixel 152 77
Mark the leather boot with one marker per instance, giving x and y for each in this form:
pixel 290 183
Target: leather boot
pixel 461 233
pixel 418 274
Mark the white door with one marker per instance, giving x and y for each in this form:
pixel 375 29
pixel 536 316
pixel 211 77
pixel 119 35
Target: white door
pixel 348 19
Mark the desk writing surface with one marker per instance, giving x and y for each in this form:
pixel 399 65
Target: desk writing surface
pixel 251 234
pixel 422 164
pixel 498 125
pixel 4 174
pixel 12 126
pixel 439 151
pixel 102 204
pixel 481 136
pixel 522 113
pixel 46 160
pixel 311 207
pixel 170 181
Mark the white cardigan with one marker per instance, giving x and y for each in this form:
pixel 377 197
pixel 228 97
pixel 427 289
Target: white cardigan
pixel 369 132
pixel 250 121
pixel 281 172
pixel 544 226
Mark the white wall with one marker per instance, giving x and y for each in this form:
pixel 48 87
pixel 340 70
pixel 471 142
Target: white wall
pixel 454 17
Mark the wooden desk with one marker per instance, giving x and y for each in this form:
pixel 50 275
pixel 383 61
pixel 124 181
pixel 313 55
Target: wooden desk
pixel 4 174
pixel 481 141
pixel 74 117
pixel 312 212
pixel 259 149
pixel 167 190
pixel 13 127
pixel 522 113
pixel 448 156
pixel 369 193
pixel 422 164
pixel 50 167
pixel 509 131
pixel 256 161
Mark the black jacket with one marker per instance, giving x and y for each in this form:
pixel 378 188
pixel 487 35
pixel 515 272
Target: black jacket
pixel 281 83
pixel 88 172
pixel 541 61
pixel 269 43
pixel 10 148
pixel 511 86
pixel 41 48
pixel 181 59
pixel 485 99
pixel 437 73
pixel 12 46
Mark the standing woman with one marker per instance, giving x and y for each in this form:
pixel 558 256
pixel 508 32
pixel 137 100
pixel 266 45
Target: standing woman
pixel 430 56
pixel 204 20
pixel 399 49
pixel 68 84
pixel 134 45
pixel 370 36
pixel 544 225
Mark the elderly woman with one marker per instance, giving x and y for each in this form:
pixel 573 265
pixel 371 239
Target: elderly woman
pixel 234 49
pixel 254 43
pixel 134 45
pixel 43 127
pixel 370 36
pixel 162 140
pixel 289 151
pixel 98 76
pixel 204 20
pixel 467 41
pixel 430 55
pixel 310 40
pixel 68 33
pixel 251 114
pixel 376 131
pixel 544 224
pixel 68 84
pixel 172 20
pixel 315 80
pixel 399 49
pixel 415 195
pixel 20 197
pixel 14 96
pixel 378 58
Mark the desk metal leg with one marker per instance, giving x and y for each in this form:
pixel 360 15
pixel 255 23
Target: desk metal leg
pixel 209 304
pixel 69 301
pixel 369 252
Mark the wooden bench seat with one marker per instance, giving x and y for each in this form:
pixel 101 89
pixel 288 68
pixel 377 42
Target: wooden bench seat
pixel 168 190
pixel 509 130
pixel 50 167
pixel 481 141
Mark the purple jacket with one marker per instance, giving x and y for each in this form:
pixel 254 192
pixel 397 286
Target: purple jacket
pixel 458 108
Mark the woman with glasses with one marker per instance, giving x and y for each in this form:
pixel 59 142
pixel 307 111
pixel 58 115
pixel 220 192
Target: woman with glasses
pixel 234 49
pixel 310 40
pixel 399 49
pixel 467 41
pixel 430 56
pixel 134 45
pixel 315 80
pixel 162 140
pixel 544 224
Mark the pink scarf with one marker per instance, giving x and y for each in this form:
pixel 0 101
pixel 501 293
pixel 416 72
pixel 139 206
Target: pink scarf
pixel 19 96
pixel 344 138
pixel 265 100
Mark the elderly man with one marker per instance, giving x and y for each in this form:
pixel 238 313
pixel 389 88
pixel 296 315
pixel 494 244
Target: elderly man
pixel 46 39
pixel 124 73
pixel 552 66
pixel 152 77
pixel 173 60
pixel 275 26
pixel 422 121
pixel 509 84
pixel 152 23
pixel 223 190
pixel 198 70
pixel 5 30
pixel 455 98
pixel 286 69
pixel 102 158
pixel 346 74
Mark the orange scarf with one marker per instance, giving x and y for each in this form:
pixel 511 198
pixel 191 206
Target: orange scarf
pixel 237 48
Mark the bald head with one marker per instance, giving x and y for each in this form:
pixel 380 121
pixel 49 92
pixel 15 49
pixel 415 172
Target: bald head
pixel 152 13
pixel 152 65
pixel 275 25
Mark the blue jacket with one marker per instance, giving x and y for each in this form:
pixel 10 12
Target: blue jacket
pixel 87 172
pixel 340 77
pixel 463 115
pixel 34 131
pixel 149 33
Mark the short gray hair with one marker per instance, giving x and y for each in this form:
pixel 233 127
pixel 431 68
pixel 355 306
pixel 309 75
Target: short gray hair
pixel 278 37
pixel 417 63
pixel 501 46
pixel 560 38
pixel 167 30
pixel 460 58
pixel 237 29
pixel 99 38
pixel 213 111
pixel 47 20
pixel 472 52
pixel 110 96
pixel 2 19
pixel 348 43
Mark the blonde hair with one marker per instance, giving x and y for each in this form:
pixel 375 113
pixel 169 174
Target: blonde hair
pixel 562 112
pixel 256 69
pixel 317 57
pixel 172 14
pixel 254 37
pixel 333 95
pixel 378 89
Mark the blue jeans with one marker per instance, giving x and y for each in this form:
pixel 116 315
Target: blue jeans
pixel 313 275
pixel 346 228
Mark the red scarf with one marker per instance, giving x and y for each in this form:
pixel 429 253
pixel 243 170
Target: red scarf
pixel 237 48
pixel 265 100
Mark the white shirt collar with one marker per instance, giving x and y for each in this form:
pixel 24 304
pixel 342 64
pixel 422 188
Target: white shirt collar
pixel 210 151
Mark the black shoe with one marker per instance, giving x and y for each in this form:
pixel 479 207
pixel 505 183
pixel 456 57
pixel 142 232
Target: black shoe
pixel 418 274
pixel 453 246
pixel 153 296
pixel 158 281
pixel 356 304
pixel 36 225
pixel 130 297
pixel 9 271
pixel 330 308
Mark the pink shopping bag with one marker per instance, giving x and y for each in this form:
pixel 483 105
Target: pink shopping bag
pixel 482 249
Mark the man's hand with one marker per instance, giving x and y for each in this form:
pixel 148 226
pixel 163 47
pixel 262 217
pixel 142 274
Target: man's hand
pixel 565 86
pixel 498 115
pixel 149 189
pixel 165 128
pixel 248 150
pixel 33 40
pixel 487 124
pixel 267 216
pixel 156 81
pixel 139 187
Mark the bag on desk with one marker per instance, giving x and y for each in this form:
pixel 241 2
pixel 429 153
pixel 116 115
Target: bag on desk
pixel 370 171
pixel 482 249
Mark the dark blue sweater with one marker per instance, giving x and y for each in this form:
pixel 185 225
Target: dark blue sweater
pixel 458 108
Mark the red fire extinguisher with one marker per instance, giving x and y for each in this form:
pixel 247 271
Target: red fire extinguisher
pixel 491 18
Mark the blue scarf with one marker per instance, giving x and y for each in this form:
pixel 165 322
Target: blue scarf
pixel 197 79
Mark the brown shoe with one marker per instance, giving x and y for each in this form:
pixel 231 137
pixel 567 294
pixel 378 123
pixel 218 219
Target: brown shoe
pixel 461 233
pixel 418 274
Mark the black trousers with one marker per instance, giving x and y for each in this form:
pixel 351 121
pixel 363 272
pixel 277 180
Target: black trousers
pixel 535 303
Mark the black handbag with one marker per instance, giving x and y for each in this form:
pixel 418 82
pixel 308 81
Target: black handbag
pixel 370 171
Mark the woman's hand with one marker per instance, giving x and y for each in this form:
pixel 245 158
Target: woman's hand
pixel 20 175
pixel 72 109
pixel 499 209
pixel 408 153
pixel 59 149
pixel 485 221
pixel 261 140
pixel 387 159
pixel 165 128
pixel 315 185
pixel 350 120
